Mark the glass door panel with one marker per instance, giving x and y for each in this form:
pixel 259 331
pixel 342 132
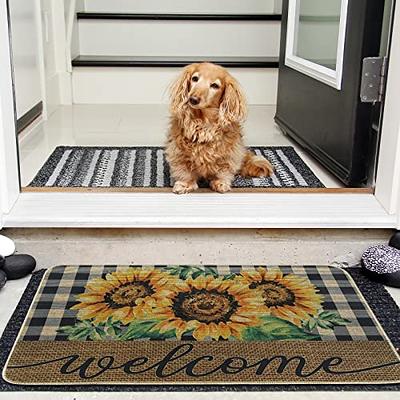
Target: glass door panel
pixel 316 38
pixel 317 35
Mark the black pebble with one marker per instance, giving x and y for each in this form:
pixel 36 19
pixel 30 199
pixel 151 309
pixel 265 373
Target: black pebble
pixel 3 279
pixel 2 261
pixel 395 241
pixel 18 266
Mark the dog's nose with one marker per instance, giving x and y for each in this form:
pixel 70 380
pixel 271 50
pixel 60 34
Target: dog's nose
pixel 194 100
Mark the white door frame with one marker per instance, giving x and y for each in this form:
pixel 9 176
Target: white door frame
pixel 9 173
pixel 201 210
pixel 387 189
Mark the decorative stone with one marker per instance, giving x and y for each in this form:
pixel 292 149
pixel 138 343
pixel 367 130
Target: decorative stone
pixel 395 241
pixel 3 279
pixel 7 246
pixel 382 264
pixel 19 266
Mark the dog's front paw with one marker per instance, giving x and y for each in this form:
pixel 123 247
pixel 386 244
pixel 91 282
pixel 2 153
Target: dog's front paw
pixel 220 186
pixel 181 187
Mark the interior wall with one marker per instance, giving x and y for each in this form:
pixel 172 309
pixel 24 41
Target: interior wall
pixel 24 38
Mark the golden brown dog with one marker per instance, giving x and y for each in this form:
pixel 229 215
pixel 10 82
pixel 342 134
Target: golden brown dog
pixel 205 136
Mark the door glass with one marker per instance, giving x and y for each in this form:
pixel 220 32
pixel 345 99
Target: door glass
pixel 317 35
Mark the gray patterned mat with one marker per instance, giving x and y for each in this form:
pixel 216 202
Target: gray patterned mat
pixel 146 167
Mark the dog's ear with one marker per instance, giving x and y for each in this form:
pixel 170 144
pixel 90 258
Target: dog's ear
pixel 233 103
pixel 180 90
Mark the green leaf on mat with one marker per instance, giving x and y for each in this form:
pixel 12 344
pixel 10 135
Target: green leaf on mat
pixel 274 328
pixel 325 320
pixel 190 271
pixel 145 330
pixel 229 276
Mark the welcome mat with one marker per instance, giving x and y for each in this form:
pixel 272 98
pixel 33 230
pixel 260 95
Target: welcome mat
pixel 116 325
pixel 146 167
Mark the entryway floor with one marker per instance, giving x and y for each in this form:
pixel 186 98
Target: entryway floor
pixel 135 125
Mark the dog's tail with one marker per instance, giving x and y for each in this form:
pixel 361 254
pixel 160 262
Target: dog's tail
pixel 255 166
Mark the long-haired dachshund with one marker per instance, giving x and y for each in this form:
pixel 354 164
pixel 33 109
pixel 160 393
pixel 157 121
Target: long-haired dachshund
pixel 205 137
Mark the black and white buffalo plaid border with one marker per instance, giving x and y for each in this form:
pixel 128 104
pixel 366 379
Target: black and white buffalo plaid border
pixel 51 307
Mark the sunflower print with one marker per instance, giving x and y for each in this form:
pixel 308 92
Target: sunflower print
pixel 124 295
pixel 290 297
pixel 210 307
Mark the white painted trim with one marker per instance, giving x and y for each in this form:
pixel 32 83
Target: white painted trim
pixel 201 210
pixel 316 71
pixel 71 18
pixel 40 57
pixel 387 189
pixel 9 173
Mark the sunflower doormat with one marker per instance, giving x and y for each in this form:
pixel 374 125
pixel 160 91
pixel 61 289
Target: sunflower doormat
pixel 116 325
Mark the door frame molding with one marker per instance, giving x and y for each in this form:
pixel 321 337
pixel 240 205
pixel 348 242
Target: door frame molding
pixel 9 165
pixel 387 189
pixel 201 210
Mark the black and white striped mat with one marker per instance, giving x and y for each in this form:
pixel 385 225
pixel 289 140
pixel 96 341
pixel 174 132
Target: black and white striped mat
pixel 146 167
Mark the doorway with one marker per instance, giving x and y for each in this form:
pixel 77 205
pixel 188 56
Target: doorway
pixel 102 114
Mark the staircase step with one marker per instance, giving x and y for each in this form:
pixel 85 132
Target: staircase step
pixel 142 61
pixel 179 38
pixel 183 6
pixel 179 16
pixel 142 85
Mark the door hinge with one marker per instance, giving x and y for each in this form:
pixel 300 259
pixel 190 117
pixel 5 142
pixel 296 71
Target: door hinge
pixel 373 80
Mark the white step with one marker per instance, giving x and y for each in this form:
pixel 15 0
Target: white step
pixel 222 6
pixel 179 38
pixel 141 85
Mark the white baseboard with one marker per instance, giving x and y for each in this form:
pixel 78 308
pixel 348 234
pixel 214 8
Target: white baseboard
pixel 101 85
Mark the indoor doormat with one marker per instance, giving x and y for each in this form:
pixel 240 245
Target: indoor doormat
pixel 146 167
pixel 209 325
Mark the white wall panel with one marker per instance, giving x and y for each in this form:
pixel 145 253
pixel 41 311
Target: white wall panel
pixel 25 55
pixel 150 85
pixel 208 38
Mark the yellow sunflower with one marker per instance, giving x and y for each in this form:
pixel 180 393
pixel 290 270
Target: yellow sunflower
pixel 290 297
pixel 124 295
pixel 210 307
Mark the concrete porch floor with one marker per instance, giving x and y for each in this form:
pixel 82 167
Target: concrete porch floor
pixel 138 246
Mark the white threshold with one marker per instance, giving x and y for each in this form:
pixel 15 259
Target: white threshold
pixel 201 210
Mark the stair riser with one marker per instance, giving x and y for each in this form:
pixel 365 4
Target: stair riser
pixel 150 85
pixel 176 38
pixel 182 6
pixel 196 246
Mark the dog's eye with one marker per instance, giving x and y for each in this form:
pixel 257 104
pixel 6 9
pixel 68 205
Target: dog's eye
pixel 195 78
pixel 214 85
